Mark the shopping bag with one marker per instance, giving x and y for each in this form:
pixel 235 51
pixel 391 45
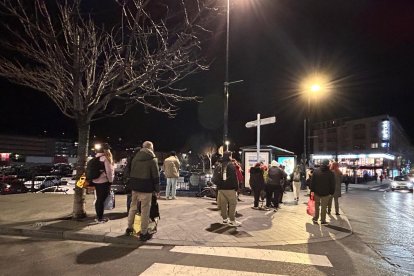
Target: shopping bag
pixel 137 224
pixel 109 203
pixel 310 209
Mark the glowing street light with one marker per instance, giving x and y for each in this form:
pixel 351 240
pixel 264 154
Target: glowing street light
pixel 316 87
pixel 227 145
pixel 97 146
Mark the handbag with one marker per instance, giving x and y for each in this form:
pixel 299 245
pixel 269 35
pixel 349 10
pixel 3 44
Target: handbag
pixel 310 209
pixel 109 203
pixel 137 224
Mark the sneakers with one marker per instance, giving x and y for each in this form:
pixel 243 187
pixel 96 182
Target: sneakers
pixel 129 231
pixel 324 222
pixel 315 221
pixel 145 237
pixel 235 223
pixel 174 197
pixel 255 208
pixel 338 214
pixel 102 220
pixel 226 221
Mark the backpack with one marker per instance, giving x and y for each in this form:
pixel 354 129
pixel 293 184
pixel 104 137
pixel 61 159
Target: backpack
pixel 217 175
pixel 94 168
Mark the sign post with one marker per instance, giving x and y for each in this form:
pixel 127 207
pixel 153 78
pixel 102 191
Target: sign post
pixel 259 122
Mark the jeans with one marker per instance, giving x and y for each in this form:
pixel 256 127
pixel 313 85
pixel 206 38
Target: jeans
pixel 102 192
pixel 336 199
pixel 227 203
pixel 296 189
pixel 273 195
pixel 171 186
pixel 145 199
pixel 322 202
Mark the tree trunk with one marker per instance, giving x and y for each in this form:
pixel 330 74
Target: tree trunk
pixel 83 145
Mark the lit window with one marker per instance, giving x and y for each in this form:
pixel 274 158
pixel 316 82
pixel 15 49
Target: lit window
pixel 374 145
pixel 385 145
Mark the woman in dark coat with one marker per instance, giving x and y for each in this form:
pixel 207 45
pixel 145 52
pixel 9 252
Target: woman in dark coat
pixel 257 183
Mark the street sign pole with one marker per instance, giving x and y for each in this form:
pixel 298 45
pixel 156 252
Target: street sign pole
pixel 258 138
pixel 258 123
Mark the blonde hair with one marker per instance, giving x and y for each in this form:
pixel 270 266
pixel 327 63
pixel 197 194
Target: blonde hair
pixel 108 156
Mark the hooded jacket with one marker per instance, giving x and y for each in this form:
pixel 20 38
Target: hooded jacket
pixel 275 176
pixel 323 181
pixel 256 180
pixel 172 167
pixel 145 176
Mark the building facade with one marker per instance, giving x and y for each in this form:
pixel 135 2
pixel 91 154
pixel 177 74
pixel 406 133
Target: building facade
pixel 364 147
pixel 15 148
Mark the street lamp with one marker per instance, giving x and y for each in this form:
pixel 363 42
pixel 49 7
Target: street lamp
pixel 315 88
pixel 227 145
pixel 226 80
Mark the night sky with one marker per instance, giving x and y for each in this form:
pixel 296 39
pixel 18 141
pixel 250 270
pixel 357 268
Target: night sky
pixel 364 46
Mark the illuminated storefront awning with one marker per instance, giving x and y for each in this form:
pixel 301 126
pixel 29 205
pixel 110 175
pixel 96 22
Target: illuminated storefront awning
pixel 355 156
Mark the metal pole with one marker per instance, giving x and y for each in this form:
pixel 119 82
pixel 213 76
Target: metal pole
pixel 308 129
pixel 226 81
pixel 258 138
pixel 304 141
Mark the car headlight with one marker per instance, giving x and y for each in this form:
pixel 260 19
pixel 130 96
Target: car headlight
pixel 410 185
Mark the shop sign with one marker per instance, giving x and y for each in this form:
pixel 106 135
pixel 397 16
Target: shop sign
pixel 385 130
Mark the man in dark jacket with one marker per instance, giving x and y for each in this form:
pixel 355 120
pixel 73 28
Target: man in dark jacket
pixel 274 185
pixel 144 181
pixel 322 187
pixel 227 185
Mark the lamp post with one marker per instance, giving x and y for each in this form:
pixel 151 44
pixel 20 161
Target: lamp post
pixel 226 80
pixel 313 88
pixel 227 142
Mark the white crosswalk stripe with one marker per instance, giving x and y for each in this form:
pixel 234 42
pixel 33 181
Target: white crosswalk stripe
pixel 257 254
pixel 172 269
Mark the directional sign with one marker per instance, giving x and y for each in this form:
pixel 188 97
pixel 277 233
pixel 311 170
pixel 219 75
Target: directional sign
pixel 265 121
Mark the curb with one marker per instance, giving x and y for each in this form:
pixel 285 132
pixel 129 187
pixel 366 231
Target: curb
pixel 114 238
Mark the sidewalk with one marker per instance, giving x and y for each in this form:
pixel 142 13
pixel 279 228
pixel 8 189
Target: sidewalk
pixel 185 221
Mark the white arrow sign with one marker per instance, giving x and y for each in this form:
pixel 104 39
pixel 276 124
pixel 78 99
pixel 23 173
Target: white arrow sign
pixel 258 123
pixel 265 121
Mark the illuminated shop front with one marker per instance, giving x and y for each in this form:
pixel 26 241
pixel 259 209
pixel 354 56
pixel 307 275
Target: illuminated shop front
pixel 363 165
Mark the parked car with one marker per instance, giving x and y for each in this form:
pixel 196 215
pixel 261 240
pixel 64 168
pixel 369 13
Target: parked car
pixel 118 185
pixel 64 190
pixel 12 188
pixel 62 169
pixel 402 182
pixel 68 181
pixel 41 182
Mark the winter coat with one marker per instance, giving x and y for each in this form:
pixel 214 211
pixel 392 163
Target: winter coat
pixel 256 180
pixel 338 182
pixel 323 181
pixel 227 170
pixel 276 175
pixel 145 176
pixel 108 174
pixel 172 167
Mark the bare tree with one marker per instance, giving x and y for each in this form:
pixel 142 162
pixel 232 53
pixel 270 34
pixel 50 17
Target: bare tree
pixel 208 151
pixel 91 70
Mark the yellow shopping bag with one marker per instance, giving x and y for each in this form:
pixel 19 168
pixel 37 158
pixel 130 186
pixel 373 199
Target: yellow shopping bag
pixel 137 224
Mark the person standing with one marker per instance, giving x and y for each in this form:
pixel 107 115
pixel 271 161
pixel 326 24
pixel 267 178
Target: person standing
pixel 322 187
pixel 103 183
pixel 172 173
pixel 274 185
pixel 144 180
pixel 296 180
pixel 226 180
pixel 337 194
pixel 240 178
pixel 257 183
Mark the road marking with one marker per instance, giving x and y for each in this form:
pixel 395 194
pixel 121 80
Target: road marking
pixel 158 247
pixel 256 254
pixel 170 269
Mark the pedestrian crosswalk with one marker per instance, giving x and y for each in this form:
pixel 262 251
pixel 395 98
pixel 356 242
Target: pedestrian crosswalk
pixel 379 188
pixel 244 254
pixel 173 269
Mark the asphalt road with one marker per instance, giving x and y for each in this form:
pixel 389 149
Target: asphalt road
pixel 382 245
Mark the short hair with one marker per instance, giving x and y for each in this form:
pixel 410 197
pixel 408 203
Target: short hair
pixel 173 153
pixel 148 145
